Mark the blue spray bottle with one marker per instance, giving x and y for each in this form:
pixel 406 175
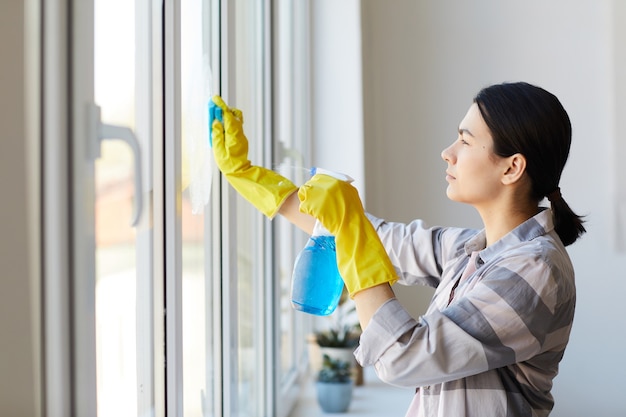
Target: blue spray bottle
pixel 316 285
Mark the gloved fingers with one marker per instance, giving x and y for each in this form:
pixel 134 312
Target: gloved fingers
pixel 230 151
pixel 238 114
pixel 230 145
pixel 330 201
pixel 217 128
pixel 324 189
pixel 217 133
pixel 219 102
pixel 220 151
pixel 233 125
pixel 313 193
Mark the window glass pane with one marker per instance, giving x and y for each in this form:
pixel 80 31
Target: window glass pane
pixel 124 262
pixel 291 138
pixel 290 164
pixel 197 287
pixel 249 71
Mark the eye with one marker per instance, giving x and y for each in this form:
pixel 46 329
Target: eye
pixel 463 141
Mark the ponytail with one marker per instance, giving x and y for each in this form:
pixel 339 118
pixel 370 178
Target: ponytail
pixel 567 224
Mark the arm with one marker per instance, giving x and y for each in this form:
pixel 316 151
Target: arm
pixel 271 193
pixel 265 189
pixel 516 312
pixel 370 300
pixel 290 210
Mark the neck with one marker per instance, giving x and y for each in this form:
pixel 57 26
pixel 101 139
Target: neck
pixel 500 220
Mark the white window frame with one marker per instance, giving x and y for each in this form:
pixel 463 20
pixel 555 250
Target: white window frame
pixel 65 389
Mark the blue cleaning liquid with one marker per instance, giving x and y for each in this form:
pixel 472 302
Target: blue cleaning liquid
pixel 316 285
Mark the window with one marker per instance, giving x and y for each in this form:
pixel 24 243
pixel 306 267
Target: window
pixel 236 265
pixel 188 312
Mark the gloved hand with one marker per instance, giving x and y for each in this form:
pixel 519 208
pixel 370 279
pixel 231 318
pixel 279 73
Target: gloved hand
pixel 264 188
pixel 361 258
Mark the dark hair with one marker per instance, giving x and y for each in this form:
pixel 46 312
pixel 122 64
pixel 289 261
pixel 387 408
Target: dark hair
pixel 529 120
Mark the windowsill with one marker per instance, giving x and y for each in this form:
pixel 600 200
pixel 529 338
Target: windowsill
pixel 373 398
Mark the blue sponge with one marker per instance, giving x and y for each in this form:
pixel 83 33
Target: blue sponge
pixel 214 113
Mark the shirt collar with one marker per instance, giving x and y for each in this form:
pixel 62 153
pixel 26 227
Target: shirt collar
pixel 536 226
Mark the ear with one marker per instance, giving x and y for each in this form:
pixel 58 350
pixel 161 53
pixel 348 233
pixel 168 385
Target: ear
pixel 514 169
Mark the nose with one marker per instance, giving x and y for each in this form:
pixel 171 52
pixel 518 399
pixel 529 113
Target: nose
pixel 446 154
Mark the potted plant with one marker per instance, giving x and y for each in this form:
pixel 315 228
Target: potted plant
pixel 334 385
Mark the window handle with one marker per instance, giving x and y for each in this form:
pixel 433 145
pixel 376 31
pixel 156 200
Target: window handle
pixel 97 132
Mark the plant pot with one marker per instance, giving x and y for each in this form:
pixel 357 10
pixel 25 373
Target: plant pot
pixel 334 397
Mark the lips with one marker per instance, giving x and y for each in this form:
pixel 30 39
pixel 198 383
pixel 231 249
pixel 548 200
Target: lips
pixel 450 176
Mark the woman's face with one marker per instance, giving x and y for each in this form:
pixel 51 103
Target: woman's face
pixel 474 172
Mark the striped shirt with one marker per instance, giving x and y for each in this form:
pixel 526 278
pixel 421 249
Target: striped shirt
pixel 493 347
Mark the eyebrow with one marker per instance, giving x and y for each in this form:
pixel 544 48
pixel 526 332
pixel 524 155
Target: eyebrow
pixel 462 131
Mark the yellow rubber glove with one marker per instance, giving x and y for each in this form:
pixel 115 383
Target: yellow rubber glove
pixel 264 188
pixel 361 258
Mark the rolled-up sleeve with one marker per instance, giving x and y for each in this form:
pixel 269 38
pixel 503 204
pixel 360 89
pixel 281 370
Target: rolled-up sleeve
pixel 390 322
pixel 408 353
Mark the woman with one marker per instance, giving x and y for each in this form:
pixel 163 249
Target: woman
pixel 499 321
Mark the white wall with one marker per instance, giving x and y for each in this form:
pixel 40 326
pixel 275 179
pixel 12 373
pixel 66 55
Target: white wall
pixel 424 61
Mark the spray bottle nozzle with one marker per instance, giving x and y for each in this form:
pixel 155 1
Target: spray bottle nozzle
pixel 338 175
